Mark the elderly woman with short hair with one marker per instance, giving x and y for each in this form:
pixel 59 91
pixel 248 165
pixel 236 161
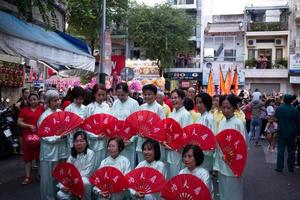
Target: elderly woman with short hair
pixel 53 149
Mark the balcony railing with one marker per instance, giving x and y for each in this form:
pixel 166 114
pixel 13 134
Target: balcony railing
pixel 268 26
pixel 273 64
pixel 185 4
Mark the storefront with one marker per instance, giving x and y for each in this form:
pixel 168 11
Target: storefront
pixel 183 80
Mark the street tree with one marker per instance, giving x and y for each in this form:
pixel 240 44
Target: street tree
pixel 84 18
pixel 161 31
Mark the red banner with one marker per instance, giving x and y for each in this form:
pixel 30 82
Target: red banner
pixel 118 63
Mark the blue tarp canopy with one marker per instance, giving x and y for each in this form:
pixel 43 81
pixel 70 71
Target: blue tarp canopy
pixel 19 38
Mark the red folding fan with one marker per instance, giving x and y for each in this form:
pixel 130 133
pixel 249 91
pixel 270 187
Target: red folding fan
pixel 68 175
pixel 147 124
pixel 200 135
pixel 59 123
pixel 234 149
pixel 173 134
pixel 120 129
pixel 98 123
pixel 109 179
pixel 185 187
pixel 145 180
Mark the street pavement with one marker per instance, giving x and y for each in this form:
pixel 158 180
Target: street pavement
pixel 261 181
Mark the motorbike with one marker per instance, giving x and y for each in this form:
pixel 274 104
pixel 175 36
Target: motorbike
pixel 7 143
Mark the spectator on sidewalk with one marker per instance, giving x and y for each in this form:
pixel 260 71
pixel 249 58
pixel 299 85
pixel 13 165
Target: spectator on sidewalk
pixel 288 128
pixel 256 107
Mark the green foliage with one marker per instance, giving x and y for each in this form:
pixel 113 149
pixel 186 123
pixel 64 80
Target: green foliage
pixel 161 30
pixel 85 17
pixel 251 62
pixel 268 26
pixel 45 8
pixel 281 62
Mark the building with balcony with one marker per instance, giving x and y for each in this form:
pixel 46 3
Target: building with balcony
pixel 267 47
pixel 294 62
pixel 223 47
pixel 186 71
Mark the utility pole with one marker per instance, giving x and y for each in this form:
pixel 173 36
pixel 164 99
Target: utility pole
pixel 102 44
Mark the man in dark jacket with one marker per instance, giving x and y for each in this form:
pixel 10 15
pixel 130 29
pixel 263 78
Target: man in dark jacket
pixel 288 128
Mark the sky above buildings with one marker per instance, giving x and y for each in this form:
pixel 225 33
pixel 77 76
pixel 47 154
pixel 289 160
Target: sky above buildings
pixel 225 6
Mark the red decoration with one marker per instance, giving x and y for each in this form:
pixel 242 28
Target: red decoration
pixel 68 175
pixel 185 187
pixel 120 129
pixel 147 124
pixel 59 123
pixel 200 135
pixel 145 180
pixel 174 136
pixel 109 179
pixel 33 140
pixel 98 123
pixel 234 149
pixel 118 63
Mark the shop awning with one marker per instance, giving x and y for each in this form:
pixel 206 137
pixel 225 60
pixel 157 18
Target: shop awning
pixel 19 38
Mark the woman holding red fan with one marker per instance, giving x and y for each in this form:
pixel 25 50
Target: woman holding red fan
pixel 114 147
pixel 98 106
pixel 27 120
pixel 53 149
pixel 122 108
pixel 151 151
pixel 184 118
pixel 83 159
pixel 149 95
pixel 77 97
pixel 230 186
pixel 193 158
pixel 204 104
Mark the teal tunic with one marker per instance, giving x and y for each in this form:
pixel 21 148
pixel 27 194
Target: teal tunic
pixel 98 145
pixel 174 160
pixel 158 109
pixel 53 149
pixel 207 119
pixel 85 165
pixel 159 166
pixel 122 111
pixel 80 111
pixel 122 164
pixel 230 187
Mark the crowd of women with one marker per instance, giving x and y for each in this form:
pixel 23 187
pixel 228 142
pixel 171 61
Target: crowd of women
pixel 89 152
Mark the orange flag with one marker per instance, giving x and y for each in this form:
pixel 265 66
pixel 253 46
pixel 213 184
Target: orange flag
pixel 222 83
pixel 236 82
pixel 210 84
pixel 228 82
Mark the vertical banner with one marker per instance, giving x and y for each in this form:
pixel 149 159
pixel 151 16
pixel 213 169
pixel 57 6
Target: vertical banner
pixel 107 66
pixel 118 63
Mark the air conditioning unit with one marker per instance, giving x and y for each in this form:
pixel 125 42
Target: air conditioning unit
pixel 297 43
pixel 251 42
pixel 279 42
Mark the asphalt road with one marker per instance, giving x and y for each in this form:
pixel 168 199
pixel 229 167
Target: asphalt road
pixel 261 181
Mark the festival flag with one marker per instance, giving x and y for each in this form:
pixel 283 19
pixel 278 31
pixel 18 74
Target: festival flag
pixel 222 83
pixel 210 84
pixel 236 81
pixel 228 82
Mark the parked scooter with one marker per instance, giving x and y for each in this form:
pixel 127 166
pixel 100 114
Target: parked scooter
pixel 7 142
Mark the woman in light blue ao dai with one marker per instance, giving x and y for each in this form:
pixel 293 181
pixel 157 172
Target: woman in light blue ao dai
pixel 83 159
pixel 114 147
pixel 184 118
pixel 53 149
pixel 151 151
pixel 77 95
pixel 230 186
pixel 98 106
pixel 121 109
pixel 204 104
